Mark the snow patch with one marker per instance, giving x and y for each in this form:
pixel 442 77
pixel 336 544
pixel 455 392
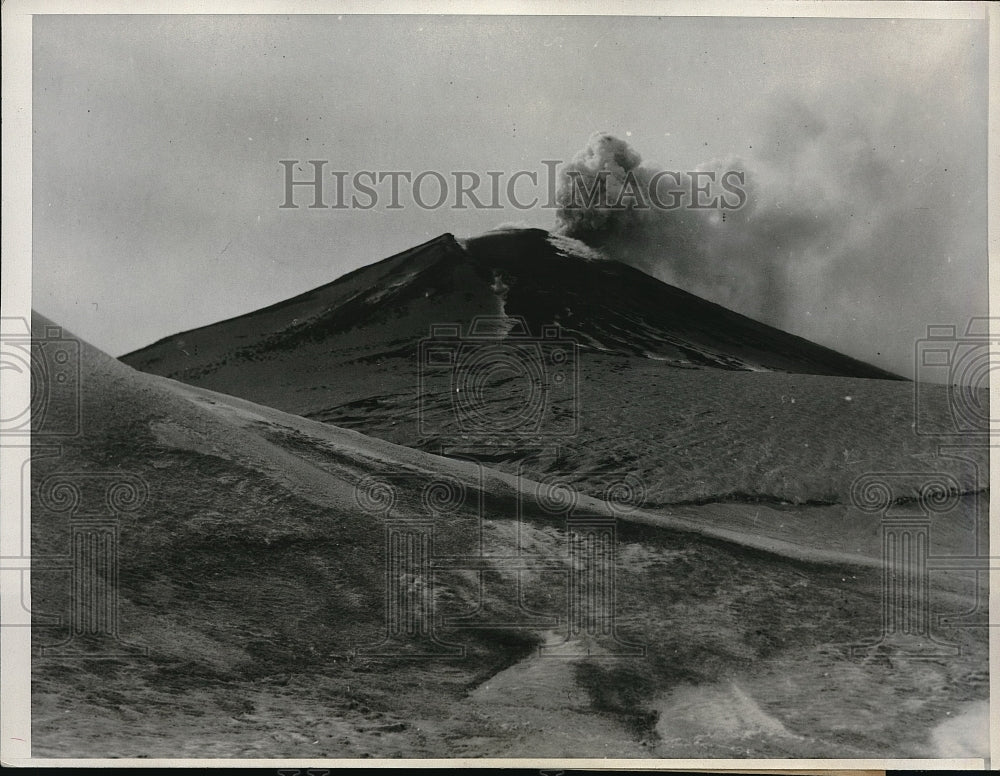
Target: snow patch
pixel 966 734
pixel 571 247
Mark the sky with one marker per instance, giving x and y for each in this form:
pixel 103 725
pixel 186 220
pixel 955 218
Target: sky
pixel 157 143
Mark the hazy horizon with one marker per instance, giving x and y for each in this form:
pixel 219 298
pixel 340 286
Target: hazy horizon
pixel 157 143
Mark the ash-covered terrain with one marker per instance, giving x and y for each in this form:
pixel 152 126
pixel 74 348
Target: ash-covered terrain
pixel 611 424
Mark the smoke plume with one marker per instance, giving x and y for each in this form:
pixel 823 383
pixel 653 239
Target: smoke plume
pixel 856 234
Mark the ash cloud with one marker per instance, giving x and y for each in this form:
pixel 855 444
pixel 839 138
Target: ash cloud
pixel 857 230
pixel 609 199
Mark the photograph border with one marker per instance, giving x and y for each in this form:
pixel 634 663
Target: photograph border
pixel 15 652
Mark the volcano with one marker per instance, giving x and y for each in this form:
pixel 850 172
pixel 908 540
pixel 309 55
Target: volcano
pixel 702 403
pixel 381 311
pixel 495 497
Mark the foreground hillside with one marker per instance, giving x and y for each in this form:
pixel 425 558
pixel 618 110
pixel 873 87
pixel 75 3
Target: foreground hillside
pixel 256 580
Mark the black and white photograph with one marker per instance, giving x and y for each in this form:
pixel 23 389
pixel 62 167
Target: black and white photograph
pixel 515 384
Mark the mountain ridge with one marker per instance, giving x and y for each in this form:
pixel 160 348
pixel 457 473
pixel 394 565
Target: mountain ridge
pixel 444 238
pixel 667 323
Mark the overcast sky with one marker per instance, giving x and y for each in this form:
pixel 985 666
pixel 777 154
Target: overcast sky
pixel 157 142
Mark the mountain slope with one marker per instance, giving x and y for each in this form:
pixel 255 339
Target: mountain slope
pixel 699 402
pixel 255 578
pixel 605 305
